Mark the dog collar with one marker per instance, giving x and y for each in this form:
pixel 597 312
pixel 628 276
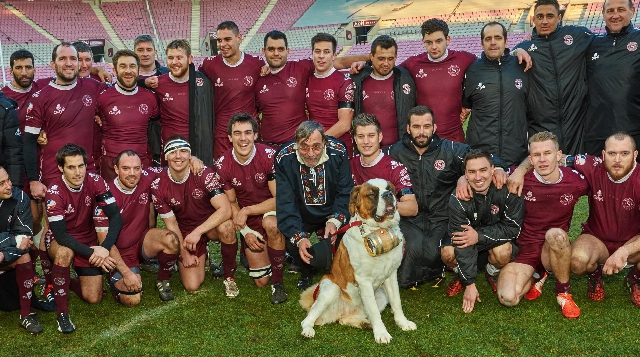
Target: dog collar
pixel 348 226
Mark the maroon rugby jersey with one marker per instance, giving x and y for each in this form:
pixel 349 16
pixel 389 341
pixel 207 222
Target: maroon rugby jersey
pixel 125 116
pixel 549 205
pixel 325 93
pixel 439 87
pixel 233 86
pixel 134 207
pixel 76 207
pixel 383 167
pixel 21 96
pixel 189 201
pixel 251 179
pixel 173 97
pixel 614 214
pixel 66 114
pixel 280 96
pixel 377 99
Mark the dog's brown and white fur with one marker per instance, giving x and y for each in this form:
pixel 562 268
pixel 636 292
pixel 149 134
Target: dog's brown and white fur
pixel 351 292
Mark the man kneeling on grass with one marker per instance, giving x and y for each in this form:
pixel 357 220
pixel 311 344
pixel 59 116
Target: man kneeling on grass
pixel 550 194
pixel 132 192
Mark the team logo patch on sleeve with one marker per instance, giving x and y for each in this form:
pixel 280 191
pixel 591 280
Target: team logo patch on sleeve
pixel 51 204
pixel 98 212
pixel 580 159
pixel 29 108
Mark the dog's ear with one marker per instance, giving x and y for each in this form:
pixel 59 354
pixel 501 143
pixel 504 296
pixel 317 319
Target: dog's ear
pixel 353 201
pixel 391 188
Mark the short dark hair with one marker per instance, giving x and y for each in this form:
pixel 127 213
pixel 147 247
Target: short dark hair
pixel 385 42
pixel 549 2
pixel 82 47
pixel 477 154
pixel 143 38
pixel 420 110
pixel 493 23
pixel 242 118
pixel 125 152
pixel 276 35
pixel 180 44
pixel 324 37
pixel 20 54
pixel 229 25
pixel 621 135
pixel 54 54
pixel 365 119
pixel 434 25
pixel 124 53
pixel 70 149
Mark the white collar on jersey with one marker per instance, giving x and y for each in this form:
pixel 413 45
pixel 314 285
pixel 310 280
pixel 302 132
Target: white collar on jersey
pixel 234 64
pixel 63 87
pixel 178 80
pixel 19 90
pixel 253 154
pixel 116 182
pixel 147 74
pixel 124 91
pixel 374 163
pixel 377 78
pixel 626 177
pixel 326 74
pixel 183 179
pixel 446 53
pixel 74 190
pixel 279 69
pixel 541 179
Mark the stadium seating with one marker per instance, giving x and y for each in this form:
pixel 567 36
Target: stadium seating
pixel 172 18
pixel 285 14
pixel 128 18
pixel 14 30
pixel 243 12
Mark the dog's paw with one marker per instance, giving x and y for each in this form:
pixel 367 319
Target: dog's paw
pixel 407 325
pixel 308 332
pixel 382 336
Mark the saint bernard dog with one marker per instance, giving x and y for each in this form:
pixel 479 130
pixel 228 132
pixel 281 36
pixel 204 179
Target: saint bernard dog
pixel 363 277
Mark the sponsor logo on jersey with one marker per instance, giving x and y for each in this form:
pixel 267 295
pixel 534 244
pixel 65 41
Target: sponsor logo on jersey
pixel 59 110
pixel 70 209
pixel 532 48
pixel 167 97
pixel 595 56
pixel 598 196
pixel 530 197
pixel 421 73
pixel 264 89
pixel 114 111
pixel 219 83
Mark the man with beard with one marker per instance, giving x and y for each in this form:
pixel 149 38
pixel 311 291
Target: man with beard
pixel 384 90
pixel 313 187
pixel 132 192
pixel 234 74
pixel 434 166
pixel 125 111
pixel 280 95
pixel 185 102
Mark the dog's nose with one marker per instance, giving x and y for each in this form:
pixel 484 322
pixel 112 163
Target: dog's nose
pixel 387 194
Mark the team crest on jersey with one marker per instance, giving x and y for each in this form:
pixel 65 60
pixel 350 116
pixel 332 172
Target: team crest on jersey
pixel 519 83
pixel 292 82
pixel 248 81
pixel 405 88
pixel 495 209
pixel 167 97
pixel 566 199
pixel 439 165
pixel 453 70
pixel 87 100
pixel 59 110
pixel 143 199
pixel 598 196
pixel 70 209
pixel 29 108
pixel 114 111
pixel 580 159
pixel 51 204
pixel 144 109
pixel 329 94
pixel 199 82
pixel 219 83
pixel 197 193
pixel 260 177
pixel 568 40
pixel 628 204
pixel 632 46
pixel 87 201
pixel 530 197
pixel 264 89
pixel 421 74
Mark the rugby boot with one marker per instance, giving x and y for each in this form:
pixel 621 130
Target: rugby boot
pixel 569 308
pixel 278 293
pixel 536 288
pixel 31 324
pixel 455 286
pixel 595 289
pixel 634 288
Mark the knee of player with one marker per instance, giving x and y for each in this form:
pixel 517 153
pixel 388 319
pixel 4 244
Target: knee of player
pixel 191 286
pixel 271 227
pixel 64 257
pixel 579 262
pixel 448 255
pixel 507 298
pixel 262 282
pixel 557 238
pixel 93 298
pixel 502 254
pixel 171 242
pixel 226 232
pixel 130 300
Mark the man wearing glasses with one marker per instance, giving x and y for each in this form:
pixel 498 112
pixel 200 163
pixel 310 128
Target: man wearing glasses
pixel 313 184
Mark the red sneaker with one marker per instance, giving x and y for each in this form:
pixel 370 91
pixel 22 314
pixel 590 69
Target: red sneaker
pixel 634 287
pixel 595 290
pixel 536 289
pixel 569 308
pixel 454 287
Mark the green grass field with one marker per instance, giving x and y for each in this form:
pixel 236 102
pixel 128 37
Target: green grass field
pixel 208 324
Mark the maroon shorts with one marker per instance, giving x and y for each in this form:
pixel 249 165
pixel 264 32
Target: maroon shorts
pixel 612 246
pixel 132 256
pixel 530 254
pixel 201 246
pixel 78 260
pixel 106 168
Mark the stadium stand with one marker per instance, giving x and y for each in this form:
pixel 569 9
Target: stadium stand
pixel 15 31
pixel 285 14
pixel 172 18
pixel 243 13
pixel 128 18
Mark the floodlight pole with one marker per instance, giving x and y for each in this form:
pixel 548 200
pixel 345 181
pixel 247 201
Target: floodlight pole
pixel 4 78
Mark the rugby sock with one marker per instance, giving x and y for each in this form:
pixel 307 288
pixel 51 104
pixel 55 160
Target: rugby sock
pixel 45 262
pixel 165 261
pixel 24 278
pixel 276 257
pixel 74 285
pixel 634 274
pixel 34 254
pixel 597 274
pixel 228 252
pixel 61 278
pixel 563 287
